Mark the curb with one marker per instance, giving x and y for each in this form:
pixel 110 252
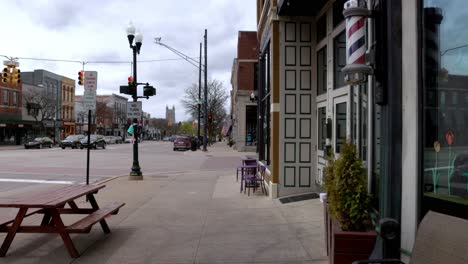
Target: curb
pixel 109 179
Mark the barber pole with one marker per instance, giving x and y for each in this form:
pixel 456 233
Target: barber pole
pixel 356 69
pixel 355 38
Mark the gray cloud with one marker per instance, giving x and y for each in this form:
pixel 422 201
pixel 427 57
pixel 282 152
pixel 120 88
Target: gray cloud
pixel 95 31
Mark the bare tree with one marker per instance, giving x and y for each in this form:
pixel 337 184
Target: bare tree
pixel 217 98
pixel 104 114
pixel 39 104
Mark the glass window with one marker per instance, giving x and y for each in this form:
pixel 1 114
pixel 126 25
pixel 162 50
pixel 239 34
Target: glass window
pixel 321 27
pixel 340 126
pixel 322 71
pixel 445 89
pixel 338 7
pixel 264 108
pixel 6 99
pixel 339 54
pixel 322 128
pixel 15 98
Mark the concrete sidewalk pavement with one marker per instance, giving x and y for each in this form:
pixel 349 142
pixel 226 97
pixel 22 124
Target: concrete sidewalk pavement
pixel 189 217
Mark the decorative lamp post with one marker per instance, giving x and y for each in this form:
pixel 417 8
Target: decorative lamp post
pixel 135 173
pixel 55 136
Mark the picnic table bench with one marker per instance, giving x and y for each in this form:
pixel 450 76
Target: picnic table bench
pixel 51 202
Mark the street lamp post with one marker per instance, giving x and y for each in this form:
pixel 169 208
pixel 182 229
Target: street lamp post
pixel 55 136
pixel 135 173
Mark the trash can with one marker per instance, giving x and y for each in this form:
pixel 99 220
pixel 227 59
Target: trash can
pixel 193 144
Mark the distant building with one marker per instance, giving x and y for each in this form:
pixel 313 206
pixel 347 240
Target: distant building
pixel 12 127
pixel 54 86
pixel 112 115
pixel 170 115
pixel 243 81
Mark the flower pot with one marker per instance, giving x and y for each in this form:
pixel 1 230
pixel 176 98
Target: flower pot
pixel 348 246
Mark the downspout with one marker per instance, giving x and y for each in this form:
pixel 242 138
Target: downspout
pixel 370 102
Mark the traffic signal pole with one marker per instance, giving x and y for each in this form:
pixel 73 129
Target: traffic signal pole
pixel 205 125
pixel 199 95
pixel 135 173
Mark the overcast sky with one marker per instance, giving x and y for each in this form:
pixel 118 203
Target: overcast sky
pixel 90 30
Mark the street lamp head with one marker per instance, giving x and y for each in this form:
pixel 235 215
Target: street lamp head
pixel 138 40
pixel 253 97
pixel 157 40
pixel 130 33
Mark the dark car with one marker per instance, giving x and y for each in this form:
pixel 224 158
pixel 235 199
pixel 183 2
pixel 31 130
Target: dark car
pixel 72 141
pixel 39 142
pixel 182 143
pixel 96 141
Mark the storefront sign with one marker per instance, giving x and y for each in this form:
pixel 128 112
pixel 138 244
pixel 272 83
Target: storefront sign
pixel 20 125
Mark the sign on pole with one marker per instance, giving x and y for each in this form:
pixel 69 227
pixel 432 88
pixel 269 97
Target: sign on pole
pixel 90 80
pixel 134 110
pixel 90 87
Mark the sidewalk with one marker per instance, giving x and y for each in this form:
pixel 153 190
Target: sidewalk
pixel 194 217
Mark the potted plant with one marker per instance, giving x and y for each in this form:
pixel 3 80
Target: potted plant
pixel 350 232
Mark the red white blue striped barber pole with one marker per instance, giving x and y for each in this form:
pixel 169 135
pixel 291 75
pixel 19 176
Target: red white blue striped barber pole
pixel 355 36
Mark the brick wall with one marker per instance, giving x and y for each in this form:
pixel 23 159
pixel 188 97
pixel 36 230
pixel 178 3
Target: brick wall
pixel 247 45
pixel 247 49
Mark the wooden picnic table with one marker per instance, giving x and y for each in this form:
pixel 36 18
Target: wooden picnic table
pixel 51 202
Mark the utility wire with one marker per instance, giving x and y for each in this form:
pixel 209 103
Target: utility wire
pixel 90 62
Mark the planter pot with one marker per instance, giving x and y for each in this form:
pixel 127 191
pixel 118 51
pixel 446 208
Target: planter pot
pixel 348 246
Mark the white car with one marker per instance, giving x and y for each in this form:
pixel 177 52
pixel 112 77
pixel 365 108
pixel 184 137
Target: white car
pixel 128 140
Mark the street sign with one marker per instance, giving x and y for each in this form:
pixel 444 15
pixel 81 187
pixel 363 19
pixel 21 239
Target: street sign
pixel 90 80
pixel 90 87
pixel 134 110
pixel 89 100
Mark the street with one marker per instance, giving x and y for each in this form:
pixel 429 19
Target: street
pixel 26 167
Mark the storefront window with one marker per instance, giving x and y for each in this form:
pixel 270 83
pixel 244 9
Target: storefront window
pixel 322 128
pixel 264 108
pixel 321 27
pixel 445 86
pixel 340 126
pixel 338 7
pixel 322 71
pixel 339 54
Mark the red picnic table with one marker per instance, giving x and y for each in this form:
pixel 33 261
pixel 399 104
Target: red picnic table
pixel 50 202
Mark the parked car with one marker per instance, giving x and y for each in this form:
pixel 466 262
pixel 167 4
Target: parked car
pixel 72 141
pixel 39 142
pixel 95 142
pixel 128 140
pixel 118 140
pixel 109 139
pixel 182 143
pixel 166 139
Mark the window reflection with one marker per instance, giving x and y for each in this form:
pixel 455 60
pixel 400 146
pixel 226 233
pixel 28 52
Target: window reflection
pixel 340 126
pixel 445 49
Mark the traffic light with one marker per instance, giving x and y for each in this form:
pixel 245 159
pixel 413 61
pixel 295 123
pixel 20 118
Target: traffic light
pixel 210 118
pixel 81 78
pixel 16 77
pixel 149 90
pixel 6 75
pixel 131 87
